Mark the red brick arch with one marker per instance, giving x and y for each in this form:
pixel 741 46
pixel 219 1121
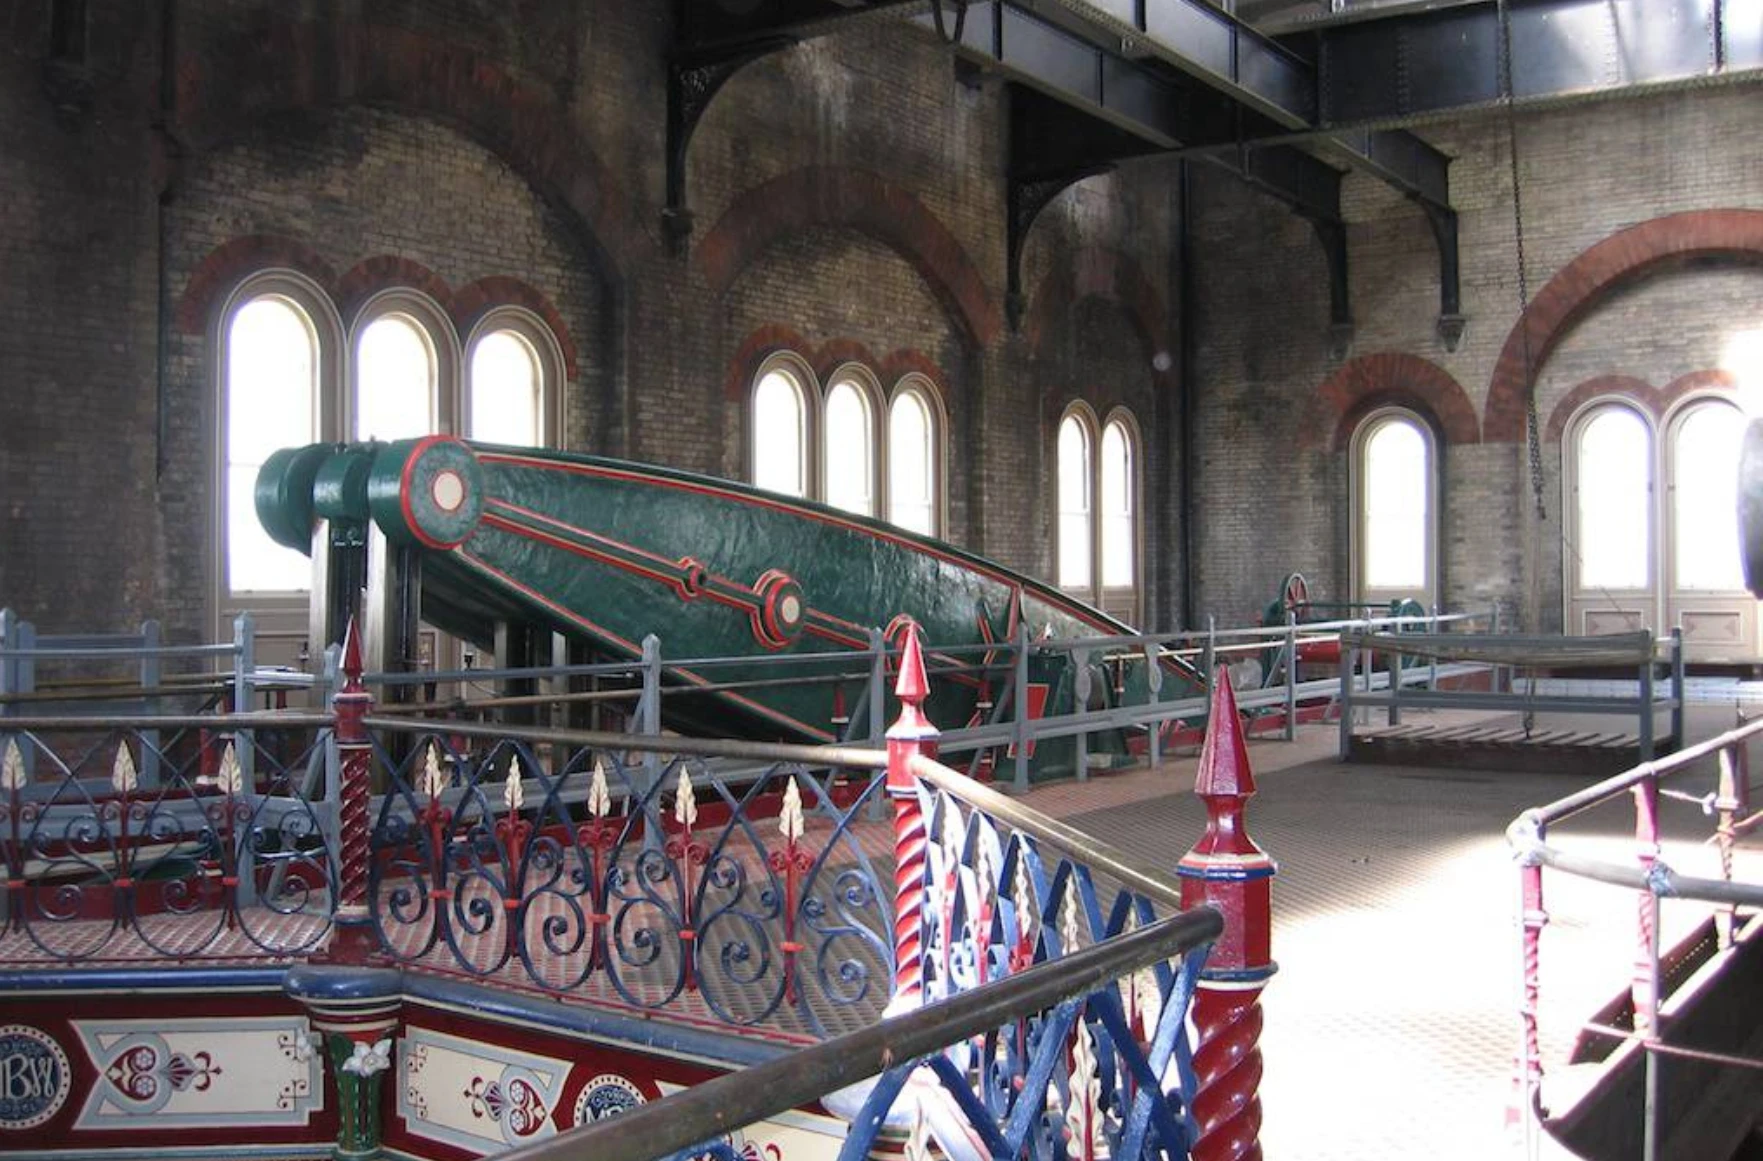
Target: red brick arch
pixel 858 200
pixel 296 65
pixel 1390 378
pixel 231 262
pixel 1624 257
pixel 1096 271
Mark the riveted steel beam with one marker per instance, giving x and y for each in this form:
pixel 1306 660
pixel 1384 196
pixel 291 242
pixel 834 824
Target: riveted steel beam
pixel 1409 66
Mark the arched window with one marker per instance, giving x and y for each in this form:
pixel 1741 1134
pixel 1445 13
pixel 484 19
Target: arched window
pixel 780 431
pixel 1119 507
pixel 915 459
pixel 1613 480
pixel 506 388
pixel 849 451
pixel 513 367
pixel 397 379
pixel 837 450
pixel 270 401
pixel 1395 525
pixel 1704 484
pixel 1076 527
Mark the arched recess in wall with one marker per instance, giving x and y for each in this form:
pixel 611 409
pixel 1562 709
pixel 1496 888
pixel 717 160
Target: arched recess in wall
pixel 857 200
pixel 290 66
pixel 1390 379
pixel 1099 272
pixel 1577 288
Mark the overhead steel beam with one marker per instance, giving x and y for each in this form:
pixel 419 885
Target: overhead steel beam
pixel 1408 67
pixel 708 27
pixel 1132 96
pixel 1259 73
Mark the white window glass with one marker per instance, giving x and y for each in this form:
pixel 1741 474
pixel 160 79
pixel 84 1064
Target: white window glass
pixel 1117 507
pixel 394 380
pixel 1614 478
pixel 506 387
pixel 1705 464
pixel 271 401
pixel 1074 503
pixel 1395 498
pixel 911 464
pixel 850 450
pixel 779 446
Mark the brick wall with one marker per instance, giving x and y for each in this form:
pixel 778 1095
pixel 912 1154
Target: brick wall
pixel 1587 174
pixel 849 192
pixel 78 319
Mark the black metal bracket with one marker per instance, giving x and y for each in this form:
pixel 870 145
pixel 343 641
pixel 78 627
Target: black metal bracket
pixel 691 85
pixel 1452 321
pixel 1332 234
pixel 1027 197
pixel 715 39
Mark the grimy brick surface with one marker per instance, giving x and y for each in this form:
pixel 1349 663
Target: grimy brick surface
pixel 848 202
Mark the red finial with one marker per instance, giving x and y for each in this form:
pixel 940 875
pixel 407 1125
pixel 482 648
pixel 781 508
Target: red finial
pixel 351 658
pixel 911 688
pixel 1224 758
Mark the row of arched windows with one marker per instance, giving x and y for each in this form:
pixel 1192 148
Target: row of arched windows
pixel 1098 530
pixel 855 446
pixel 1649 532
pixel 293 373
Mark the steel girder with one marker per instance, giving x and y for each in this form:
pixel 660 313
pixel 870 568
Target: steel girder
pixel 1387 67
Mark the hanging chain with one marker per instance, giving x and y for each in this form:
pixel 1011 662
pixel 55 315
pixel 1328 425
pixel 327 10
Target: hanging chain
pixel 1530 389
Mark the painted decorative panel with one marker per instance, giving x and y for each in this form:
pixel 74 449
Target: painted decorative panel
pixel 200 1073
pixel 1712 628
pixel 475 1095
pixel 1599 622
pixel 34 1077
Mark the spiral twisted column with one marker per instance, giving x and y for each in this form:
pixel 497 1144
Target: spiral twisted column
pixel 352 940
pixel 1226 870
pixel 910 736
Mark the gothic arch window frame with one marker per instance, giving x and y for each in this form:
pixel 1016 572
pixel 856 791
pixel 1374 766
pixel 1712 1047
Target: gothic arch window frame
pixel 917 385
pixel 433 324
pixel 867 386
pixel 1365 431
pixel 1122 599
pixel 1597 607
pixel 1667 476
pixel 796 370
pixel 1080 417
pixel 330 368
pixel 547 352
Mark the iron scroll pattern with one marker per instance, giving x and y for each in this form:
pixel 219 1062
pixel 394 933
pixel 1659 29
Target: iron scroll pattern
pixel 1109 1074
pixel 179 845
pixel 664 884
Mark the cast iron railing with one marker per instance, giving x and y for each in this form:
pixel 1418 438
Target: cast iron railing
pixel 1651 879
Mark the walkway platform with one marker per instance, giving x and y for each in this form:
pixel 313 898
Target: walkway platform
pixel 1391 1026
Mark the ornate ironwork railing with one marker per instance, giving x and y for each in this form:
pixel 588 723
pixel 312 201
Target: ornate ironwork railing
pixel 165 837
pixel 576 862
pixel 1064 1001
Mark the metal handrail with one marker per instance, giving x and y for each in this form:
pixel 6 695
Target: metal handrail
pixel 267 720
pixel 1581 800
pixel 731 1101
pixel 1136 876
pixel 852 756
